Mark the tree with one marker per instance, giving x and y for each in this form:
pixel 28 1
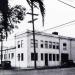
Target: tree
pixel 33 4
pixel 8 17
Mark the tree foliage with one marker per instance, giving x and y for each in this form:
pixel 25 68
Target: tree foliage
pixel 9 16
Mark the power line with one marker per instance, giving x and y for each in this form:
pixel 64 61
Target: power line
pixel 65 24
pixel 66 3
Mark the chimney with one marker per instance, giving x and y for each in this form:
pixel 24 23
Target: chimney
pixel 55 33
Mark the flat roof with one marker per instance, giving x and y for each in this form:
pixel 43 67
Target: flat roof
pixel 45 34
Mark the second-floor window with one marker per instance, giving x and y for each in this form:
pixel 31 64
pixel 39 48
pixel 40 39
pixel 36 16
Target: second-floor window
pixel 41 45
pixel 54 45
pixel 64 46
pixel 21 43
pixel 9 55
pixel 18 44
pixel 46 44
pixel 57 45
pixel 12 55
pixel 50 44
pixel 5 56
pixel 36 43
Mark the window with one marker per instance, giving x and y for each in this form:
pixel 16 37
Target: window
pixel 41 56
pixel 34 57
pixel 50 57
pixel 18 44
pixel 18 57
pixel 64 46
pixel 36 43
pixel 57 57
pixel 31 42
pixel 9 55
pixel 5 56
pixel 53 45
pixel 46 44
pixel 57 45
pixel 21 43
pixel 53 57
pixel 41 44
pixel 0 57
pixel 50 44
pixel 12 55
pixel 22 57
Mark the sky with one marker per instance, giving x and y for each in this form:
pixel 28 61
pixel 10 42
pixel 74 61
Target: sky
pixel 56 13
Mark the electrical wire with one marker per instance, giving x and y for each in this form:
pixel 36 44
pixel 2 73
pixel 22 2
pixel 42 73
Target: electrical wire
pixel 65 24
pixel 66 3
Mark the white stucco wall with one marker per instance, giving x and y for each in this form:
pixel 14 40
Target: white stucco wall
pixel 21 50
pixel 42 50
pixel 26 49
pixel 73 50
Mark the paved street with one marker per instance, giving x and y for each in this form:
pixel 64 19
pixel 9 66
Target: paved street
pixel 66 71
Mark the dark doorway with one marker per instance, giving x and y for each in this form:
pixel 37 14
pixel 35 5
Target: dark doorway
pixel 46 59
pixel 64 57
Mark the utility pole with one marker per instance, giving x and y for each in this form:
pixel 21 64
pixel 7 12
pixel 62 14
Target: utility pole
pixel 1 48
pixel 32 21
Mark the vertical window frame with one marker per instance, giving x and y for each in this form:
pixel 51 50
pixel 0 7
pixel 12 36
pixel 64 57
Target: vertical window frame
pixel 54 57
pixel 50 44
pixel 21 43
pixel 64 46
pixel 32 44
pixel 50 57
pixel 42 56
pixel 18 44
pixel 54 45
pixel 34 58
pixel 22 57
pixel 18 57
pixel 46 44
pixel 42 44
pixel 12 55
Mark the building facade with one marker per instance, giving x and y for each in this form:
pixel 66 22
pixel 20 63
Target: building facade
pixel 51 50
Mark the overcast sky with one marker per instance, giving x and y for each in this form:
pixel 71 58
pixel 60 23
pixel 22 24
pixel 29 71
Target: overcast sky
pixel 56 13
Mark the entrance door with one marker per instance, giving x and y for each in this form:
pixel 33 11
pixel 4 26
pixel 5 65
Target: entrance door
pixel 46 59
pixel 64 57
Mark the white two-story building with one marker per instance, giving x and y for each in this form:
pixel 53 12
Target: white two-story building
pixel 51 50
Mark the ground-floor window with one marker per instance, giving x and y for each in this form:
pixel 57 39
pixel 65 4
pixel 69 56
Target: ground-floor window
pixel 53 57
pixel 41 56
pixel 57 57
pixel 50 57
pixel 34 57
pixel 18 57
pixel 22 57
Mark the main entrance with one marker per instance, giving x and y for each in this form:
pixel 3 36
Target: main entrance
pixel 64 57
pixel 46 59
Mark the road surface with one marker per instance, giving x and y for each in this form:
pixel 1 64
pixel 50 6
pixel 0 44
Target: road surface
pixel 64 71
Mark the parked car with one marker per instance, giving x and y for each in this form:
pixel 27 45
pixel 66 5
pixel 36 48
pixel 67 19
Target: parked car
pixel 6 64
pixel 68 63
